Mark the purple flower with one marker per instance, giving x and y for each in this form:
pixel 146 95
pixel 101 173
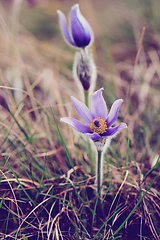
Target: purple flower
pixel 80 34
pixel 98 124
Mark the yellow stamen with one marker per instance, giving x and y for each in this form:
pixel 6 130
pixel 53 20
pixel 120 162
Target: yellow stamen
pixel 98 125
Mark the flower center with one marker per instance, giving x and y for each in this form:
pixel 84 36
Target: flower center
pixel 98 125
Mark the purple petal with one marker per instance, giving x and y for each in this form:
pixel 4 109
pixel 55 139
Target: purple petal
pixel 113 114
pixel 64 28
pixel 98 105
pixel 80 127
pixel 93 136
pixel 112 131
pixel 80 28
pixel 82 110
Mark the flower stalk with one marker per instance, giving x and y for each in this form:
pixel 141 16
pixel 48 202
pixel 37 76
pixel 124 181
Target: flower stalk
pixel 99 172
pixel 99 183
pixel 86 96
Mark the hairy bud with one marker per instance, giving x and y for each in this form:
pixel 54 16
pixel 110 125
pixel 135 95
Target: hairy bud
pixel 84 69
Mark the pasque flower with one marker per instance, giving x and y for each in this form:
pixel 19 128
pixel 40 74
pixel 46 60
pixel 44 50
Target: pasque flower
pixel 98 122
pixel 80 33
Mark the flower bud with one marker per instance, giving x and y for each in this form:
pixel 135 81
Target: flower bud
pixel 84 70
pixel 80 34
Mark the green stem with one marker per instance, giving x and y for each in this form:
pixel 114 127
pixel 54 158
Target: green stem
pixel 86 95
pixel 99 173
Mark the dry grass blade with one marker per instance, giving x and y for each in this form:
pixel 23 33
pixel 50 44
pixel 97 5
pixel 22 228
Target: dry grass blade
pixel 19 228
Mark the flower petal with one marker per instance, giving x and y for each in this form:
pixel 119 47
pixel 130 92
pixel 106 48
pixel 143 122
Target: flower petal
pixel 82 110
pixel 113 114
pixel 98 105
pixel 93 136
pixel 80 28
pixel 114 130
pixel 64 28
pixel 80 127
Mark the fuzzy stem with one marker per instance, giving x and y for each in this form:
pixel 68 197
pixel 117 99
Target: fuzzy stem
pixel 99 208
pixel 86 95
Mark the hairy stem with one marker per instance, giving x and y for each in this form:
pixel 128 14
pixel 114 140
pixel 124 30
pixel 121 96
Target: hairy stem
pixel 99 182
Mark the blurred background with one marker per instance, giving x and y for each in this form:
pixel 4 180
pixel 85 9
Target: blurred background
pixel 36 84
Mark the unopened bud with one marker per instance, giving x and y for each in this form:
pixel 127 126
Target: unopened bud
pixel 84 69
pixel 80 34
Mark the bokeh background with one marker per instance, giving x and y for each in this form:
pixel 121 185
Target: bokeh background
pixel 36 80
